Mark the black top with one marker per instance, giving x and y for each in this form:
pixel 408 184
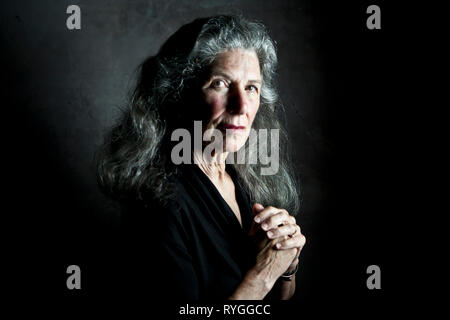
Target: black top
pixel 194 248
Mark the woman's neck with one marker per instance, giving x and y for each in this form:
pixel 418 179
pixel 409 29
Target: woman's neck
pixel 214 168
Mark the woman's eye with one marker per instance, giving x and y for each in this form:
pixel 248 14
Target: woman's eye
pixel 253 88
pixel 218 84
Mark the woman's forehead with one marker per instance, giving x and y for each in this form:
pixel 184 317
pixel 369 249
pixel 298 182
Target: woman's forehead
pixel 237 63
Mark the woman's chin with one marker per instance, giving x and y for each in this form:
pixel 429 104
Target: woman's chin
pixel 233 146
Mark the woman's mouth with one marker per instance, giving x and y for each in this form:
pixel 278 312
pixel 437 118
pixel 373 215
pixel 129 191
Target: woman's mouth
pixel 232 127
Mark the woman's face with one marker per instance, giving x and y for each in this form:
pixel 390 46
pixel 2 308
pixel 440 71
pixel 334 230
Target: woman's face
pixel 232 94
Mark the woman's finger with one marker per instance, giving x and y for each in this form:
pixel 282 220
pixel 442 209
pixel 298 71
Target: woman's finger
pixel 275 220
pixel 290 243
pixel 285 230
pixel 265 213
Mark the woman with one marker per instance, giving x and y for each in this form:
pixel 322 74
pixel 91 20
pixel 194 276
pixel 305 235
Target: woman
pixel 208 229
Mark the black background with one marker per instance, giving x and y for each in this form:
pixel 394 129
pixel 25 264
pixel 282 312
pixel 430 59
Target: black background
pixel 345 90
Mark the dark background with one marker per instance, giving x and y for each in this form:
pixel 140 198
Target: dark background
pixel 342 85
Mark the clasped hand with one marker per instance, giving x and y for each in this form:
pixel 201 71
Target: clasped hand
pixel 279 239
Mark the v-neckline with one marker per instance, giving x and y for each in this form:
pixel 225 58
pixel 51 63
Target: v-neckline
pixel 237 195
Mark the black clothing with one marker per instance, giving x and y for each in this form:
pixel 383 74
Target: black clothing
pixel 194 248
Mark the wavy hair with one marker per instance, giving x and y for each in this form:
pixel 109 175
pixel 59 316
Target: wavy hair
pixel 134 161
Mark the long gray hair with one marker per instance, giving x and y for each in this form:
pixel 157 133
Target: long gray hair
pixel 135 163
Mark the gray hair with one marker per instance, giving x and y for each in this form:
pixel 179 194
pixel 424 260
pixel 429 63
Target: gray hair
pixel 135 162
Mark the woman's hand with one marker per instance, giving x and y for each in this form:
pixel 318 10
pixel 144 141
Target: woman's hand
pixel 280 241
pixel 272 263
pixel 261 278
pixel 279 226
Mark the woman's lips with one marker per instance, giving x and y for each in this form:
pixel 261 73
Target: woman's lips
pixel 232 127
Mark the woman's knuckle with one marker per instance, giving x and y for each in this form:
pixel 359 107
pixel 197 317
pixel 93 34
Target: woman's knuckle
pixel 273 242
pixel 303 239
pixel 269 221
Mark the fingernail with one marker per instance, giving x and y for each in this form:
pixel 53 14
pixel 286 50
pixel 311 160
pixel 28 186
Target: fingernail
pixel 264 226
pixel 278 245
pixel 257 219
pixel 270 234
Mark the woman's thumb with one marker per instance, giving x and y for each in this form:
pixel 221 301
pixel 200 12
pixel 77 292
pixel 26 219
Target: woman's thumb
pixel 257 208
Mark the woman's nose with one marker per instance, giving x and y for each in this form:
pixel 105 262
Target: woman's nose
pixel 237 102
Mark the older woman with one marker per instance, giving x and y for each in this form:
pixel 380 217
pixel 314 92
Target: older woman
pixel 206 228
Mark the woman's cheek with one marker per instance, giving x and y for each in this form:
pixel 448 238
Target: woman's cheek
pixel 212 112
pixel 253 113
pixel 216 106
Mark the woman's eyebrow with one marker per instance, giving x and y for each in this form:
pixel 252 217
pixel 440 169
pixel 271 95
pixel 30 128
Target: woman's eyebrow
pixel 255 81
pixel 218 73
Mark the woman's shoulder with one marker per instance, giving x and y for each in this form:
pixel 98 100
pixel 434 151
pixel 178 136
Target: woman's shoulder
pixel 176 205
